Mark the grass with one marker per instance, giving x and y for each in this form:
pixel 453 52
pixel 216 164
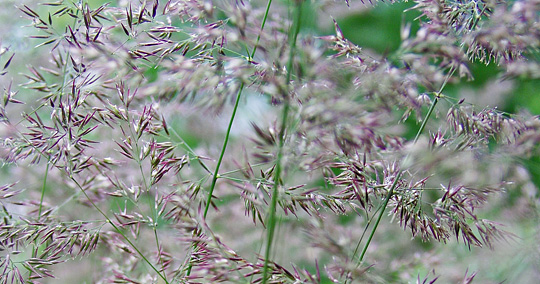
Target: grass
pixel 124 141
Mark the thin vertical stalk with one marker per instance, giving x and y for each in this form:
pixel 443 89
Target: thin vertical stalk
pixel 223 148
pixel 430 111
pixel 144 258
pixel 147 187
pixel 43 187
pixel 394 184
pixel 271 223
pixel 388 196
pixel 215 176
pixel 231 121
pixel 369 220
pixel 391 191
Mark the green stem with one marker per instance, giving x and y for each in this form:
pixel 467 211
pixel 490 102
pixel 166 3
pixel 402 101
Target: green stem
pixel 147 186
pixel 215 176
pixel 223 148
pixel 43 187
pixel 430 111
pixel 119 231
pixel 271 223
pixel 394 184
pixel 231 121
pixel 385 203
pixel 369 220
pixel 262 28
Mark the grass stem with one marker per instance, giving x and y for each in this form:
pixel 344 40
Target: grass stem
pixel 231 120
pixel 394 184
pixel 215 176
pixel 43 188
pixel 144 258
pixel 271 222
pixel 385 203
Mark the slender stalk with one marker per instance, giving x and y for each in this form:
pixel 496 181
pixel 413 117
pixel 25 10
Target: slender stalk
pixel 262 28
pixel 271 223
pixel 394 184
pixel 231 121
pixel 190 150
pixel 43 187
pixel 223 148
pixel 430 111
pixel 391 191
pixel 215 176
pixel 369 220
pixel 385 203
pixel 119 231
pixel 147 187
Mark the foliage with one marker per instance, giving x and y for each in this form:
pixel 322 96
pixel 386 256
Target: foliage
pixel 134 145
